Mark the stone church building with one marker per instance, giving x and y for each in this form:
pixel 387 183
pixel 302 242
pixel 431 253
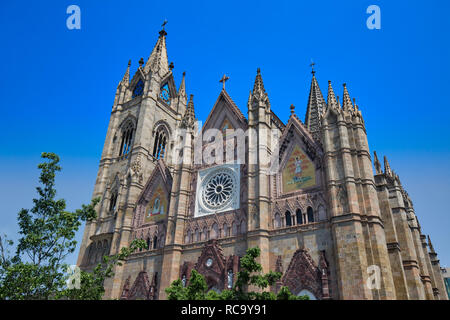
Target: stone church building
pixel 330 218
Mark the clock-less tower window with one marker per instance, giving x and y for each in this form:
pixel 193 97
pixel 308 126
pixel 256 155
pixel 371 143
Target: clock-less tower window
pixel 164 95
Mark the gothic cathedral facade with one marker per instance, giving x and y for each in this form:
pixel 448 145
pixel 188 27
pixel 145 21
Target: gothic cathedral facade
pixel 322 218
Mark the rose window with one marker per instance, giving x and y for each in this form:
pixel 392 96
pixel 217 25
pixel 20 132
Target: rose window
pixel 218 190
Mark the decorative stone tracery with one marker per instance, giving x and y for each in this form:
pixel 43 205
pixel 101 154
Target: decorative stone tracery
pixel 303 274
pixel 142 288
pixel 213 265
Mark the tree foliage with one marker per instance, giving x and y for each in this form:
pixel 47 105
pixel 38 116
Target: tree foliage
pixel 47 232
pixel 91 283
pixel 249 276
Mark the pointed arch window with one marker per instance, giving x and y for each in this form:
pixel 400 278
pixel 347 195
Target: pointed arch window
pixel 113 202
pixel 277 221
pixel 127 138
pixel 299 216
pixel 159 146
pixel 165 93
pixel 225 230
pixel 230 279
pixel 197 235
pixel 155 242
pixel 149 243
pixel 310 214
pixel 138 89
pixel 99 252
pixel 205 234
pixel 234 230
pixel 242 227
pixel 188 237
pixel 214 231
pixel 288 219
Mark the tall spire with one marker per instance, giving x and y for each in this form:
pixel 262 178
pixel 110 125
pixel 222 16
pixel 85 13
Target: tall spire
pixel 331 98
pixel 189 115
pixel 158 61
pixel 346 100
pixel 377 163
pixel 315 108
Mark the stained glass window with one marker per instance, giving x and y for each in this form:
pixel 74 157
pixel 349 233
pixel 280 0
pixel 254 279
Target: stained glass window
pixel 138 89
pixel 165 94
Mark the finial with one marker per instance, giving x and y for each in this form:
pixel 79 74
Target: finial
pixel 292 109
pixel 171 66
pixel 141 62
pixel 129 62
pixel 223 80
pixel 258 71
pixel 163 31
pixel 312 67
pixel 184 73
pixel 344 84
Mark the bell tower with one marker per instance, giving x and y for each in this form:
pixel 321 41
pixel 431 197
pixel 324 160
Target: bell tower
pixel 143 119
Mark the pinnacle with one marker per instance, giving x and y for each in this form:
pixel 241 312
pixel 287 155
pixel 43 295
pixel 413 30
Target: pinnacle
pixel 182 89
pixel 258 87
pixel 126 76
pixel 331 98
pixel 346 100
pixel 377 163
pixel 189 115
pixel 387 167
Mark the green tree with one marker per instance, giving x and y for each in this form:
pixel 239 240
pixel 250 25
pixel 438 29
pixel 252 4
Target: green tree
pixel 91 283
pixel 248 276
pixel 47 231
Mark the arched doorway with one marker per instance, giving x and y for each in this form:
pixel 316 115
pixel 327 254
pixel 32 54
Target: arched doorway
pixel 304 292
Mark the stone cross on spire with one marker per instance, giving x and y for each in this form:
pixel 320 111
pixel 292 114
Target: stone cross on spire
pixel 223 80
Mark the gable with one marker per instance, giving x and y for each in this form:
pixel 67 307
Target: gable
pixel 298 172
pixel 153 203
pixel 226 125
pixel 225 113
pixel 156 209
pixel 300 158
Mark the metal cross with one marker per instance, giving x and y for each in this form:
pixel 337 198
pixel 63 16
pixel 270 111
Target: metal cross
pixel 223 80
pixel 312 66
pixel 164 23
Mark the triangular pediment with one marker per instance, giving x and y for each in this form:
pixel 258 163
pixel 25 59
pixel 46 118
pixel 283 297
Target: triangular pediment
pixel 211 264
pixel 153 202
pixel 300 157
pixel 303 274
pixel 225 112
pixel 141 287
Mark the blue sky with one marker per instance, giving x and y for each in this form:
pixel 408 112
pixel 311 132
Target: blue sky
pixel 57 85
